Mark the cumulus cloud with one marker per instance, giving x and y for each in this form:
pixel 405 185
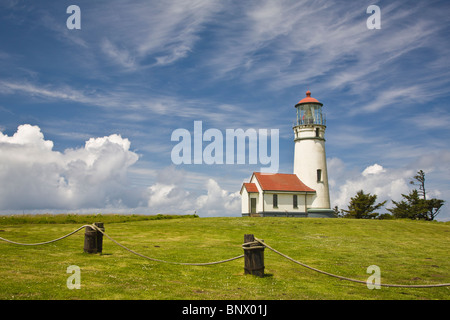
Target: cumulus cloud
pixel 173 193
pixel 374 169
pixel 387 183
pixel 218 201
pixel 168 193
pixel 34 176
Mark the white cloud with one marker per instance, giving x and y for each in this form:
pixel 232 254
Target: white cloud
pixel 34 176
pixel 327 44
pixel 140 106
pixel 392 96
pixel 438 118
pixel 167 197
pixel 27 135
pixel 120 56
pixel 218 201
pixel 170 194
pixel 154 33
pixel 63 34
pixel 9 87
pixel 388 184
pixel 374 169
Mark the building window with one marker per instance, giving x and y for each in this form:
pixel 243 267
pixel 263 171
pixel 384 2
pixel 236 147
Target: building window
pixel 275 201
pixel 317 132
pixel 319 175
pixel 295 201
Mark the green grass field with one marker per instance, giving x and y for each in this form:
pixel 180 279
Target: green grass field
pixel 407 252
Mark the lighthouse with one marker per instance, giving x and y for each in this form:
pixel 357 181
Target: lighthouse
pixel 303 193
pixel 310 162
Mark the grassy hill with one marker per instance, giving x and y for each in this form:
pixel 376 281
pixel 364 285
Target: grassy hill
pixel 407 252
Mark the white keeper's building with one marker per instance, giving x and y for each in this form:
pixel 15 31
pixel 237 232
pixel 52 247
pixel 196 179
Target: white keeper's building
pixel 305 192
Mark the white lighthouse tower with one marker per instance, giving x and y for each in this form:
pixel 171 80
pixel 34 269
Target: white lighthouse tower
pixel 303 193
pixel 310 163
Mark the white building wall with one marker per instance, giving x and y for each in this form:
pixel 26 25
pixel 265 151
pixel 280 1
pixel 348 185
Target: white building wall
pixel 259 202
pixel 308 158
pixel 244 201
pixel 285 202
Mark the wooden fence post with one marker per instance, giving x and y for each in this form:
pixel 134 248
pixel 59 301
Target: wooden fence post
pixel 100 236
pixel 253 256
pixel 90 240
pixel 93 239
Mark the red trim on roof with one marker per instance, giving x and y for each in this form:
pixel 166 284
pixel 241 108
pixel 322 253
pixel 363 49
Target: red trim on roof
pixel 281 182
pixel 308 99
pixel 251 187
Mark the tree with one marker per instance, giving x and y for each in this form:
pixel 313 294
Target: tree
pixel 411 207
pixel 415 207
pixel 434 205
pixel 420 181
pixel 362 206
pixel 336 211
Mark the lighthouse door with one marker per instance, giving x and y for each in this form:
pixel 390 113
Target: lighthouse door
pixel 252 205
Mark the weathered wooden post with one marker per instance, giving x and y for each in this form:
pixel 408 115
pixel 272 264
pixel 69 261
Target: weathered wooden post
pixel 99 236
pixel 93 239
pixel 253 256
pixel 90 240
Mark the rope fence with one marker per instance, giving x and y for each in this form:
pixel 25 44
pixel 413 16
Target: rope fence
pixel 249 247
pixel 345 278
pixel 47 242
pixel 171 262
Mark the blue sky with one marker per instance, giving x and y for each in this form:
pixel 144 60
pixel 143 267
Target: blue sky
pixel 86 116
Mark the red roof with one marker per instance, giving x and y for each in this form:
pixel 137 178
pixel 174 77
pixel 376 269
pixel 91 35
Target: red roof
pixel 281 182
pixel 308 98
pixel 251 187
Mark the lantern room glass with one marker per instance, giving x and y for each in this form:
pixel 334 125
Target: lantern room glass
pixel 310 113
